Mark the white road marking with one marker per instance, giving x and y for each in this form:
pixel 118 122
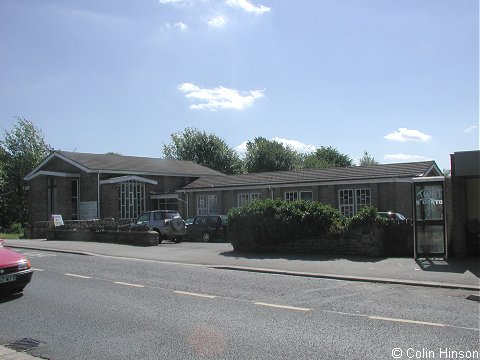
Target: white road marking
pixel 283 306
pixel 194 294
pixel 344 313
pixel 78 276
pixel 128 284
pixel 35 269
pixel 406 321
pixel 29 254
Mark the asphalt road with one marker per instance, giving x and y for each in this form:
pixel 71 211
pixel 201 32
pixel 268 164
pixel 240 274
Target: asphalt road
pixel 88 307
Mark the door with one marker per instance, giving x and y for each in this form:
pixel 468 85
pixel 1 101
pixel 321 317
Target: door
pixel 429 216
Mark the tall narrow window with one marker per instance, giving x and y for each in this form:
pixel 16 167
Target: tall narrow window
pixel 346 202
pixel 212 205
pixel 51 196
pixel 74 186
pixel 131 197
pixel 362 198
pixel 207 205
pixel 201 205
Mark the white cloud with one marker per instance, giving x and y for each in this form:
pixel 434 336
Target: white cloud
pixel 178 26
pixel 170 1
pixel 404 157
pixel 404 134
pixel 470 129
pixel 217 21
pixel 294 144
pixel 247 6
pixel 219 97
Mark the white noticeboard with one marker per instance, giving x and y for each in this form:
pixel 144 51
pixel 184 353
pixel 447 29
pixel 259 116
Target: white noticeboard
pixel 88 210
pixel 57 220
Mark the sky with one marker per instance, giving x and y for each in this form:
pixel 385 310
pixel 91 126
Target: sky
pixel 399 79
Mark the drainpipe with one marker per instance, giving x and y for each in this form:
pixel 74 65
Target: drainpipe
pixel 185 193
pixel 271 191
pixel 98 194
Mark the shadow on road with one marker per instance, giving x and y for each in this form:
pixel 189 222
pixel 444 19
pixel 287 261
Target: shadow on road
pixel 458 266
pixel 304 257
pixel 9 297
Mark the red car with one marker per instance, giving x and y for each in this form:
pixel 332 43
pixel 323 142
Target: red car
pixel 15 271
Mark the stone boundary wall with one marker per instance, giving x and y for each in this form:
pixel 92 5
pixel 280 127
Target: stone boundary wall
pixel 138 238
pixel 366 241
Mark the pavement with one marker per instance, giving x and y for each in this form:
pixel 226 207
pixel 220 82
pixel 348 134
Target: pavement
pixel 450 273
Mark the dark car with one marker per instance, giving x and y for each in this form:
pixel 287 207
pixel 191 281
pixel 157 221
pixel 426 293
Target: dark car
pixel 167 223
pixel 206 228
pixel 15 271
pixel 393 217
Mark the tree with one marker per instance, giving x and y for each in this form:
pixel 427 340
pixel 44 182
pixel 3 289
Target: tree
pixel 269 155
pixel 20 151
pixel 326 157
pixel 367 159
pixel 205 149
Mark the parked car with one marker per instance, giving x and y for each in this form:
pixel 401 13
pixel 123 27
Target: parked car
pixel 15 271
pixel 394 217
pixel 167 223
pixel 206 228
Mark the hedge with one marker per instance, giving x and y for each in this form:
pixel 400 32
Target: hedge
pixel 276 222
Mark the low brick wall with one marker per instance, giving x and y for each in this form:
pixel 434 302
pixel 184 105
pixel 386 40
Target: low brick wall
pixel 138 238
pixel 363 241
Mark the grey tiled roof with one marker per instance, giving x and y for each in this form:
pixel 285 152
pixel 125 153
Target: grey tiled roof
pixel 354 173
pixel 140 165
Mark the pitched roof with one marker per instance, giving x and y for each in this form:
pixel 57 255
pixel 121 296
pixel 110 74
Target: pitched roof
pixel 354 173
pixel 128 164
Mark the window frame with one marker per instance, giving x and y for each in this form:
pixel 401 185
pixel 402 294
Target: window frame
pixel 131 197
pixel 342 206
pixel 359 204
pixel 246 198
pixel 291 196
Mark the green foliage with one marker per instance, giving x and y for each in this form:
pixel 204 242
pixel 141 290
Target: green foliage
pixel 205 149
pixel 269 155
pixel 366 216
pixel 327 157
pixel 268 222
pixel 274 222
pixel 367 159
pixel 20 151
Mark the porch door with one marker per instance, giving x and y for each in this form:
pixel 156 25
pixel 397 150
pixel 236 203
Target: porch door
pixel 429 225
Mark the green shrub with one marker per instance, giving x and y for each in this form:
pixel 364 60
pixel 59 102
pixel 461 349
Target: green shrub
pixel 367 216
pixel 273 222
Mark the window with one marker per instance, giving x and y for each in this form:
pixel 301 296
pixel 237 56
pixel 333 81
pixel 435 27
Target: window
pixel 362 198
pixel 201 205
pixel 291 196
pixel 349 205
pixel 212 205
pixel 306 195
pixel 131 197
pixel 167 204
pixel 207 205
pixel 246 198
pixel 74 186
pixel 346 202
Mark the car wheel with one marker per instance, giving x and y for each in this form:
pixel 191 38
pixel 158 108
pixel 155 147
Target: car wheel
pixel 160 238
pixel 177 240
pixel 206 237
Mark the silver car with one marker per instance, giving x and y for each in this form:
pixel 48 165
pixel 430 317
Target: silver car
pixel 167 223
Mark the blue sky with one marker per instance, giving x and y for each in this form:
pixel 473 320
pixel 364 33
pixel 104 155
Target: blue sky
pixel 399 79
